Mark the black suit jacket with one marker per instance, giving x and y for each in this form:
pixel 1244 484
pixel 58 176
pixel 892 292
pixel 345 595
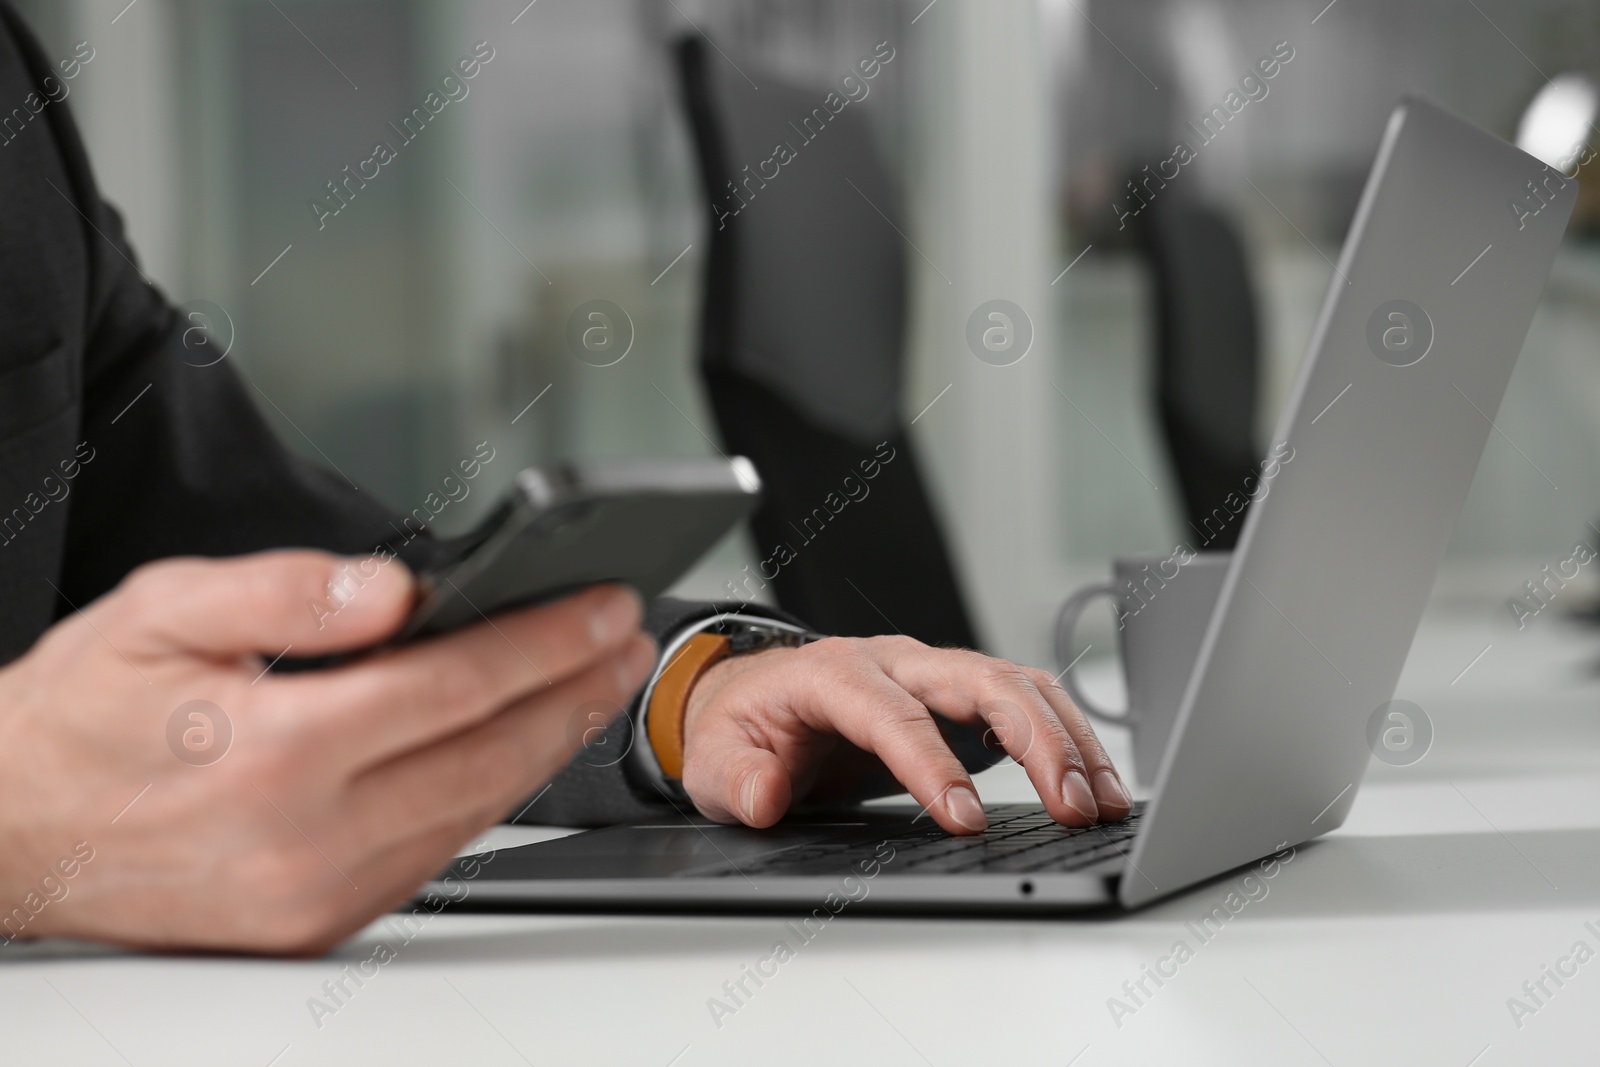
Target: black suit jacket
pixel 119 446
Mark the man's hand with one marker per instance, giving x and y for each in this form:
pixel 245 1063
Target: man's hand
pixel 763 731
pixel 342 790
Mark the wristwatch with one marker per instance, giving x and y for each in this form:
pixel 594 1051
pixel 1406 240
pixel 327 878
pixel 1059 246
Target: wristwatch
pixel 664 701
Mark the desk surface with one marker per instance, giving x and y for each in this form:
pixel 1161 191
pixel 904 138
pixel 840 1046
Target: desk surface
pixel 1398 939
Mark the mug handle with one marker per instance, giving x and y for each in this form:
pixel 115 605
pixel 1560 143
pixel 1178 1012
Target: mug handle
pixel 1066 624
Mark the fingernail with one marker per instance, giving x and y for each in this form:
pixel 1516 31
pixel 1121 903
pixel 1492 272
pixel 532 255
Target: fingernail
pixel 1108 787
pixel 747 800
pixel 963 806
pixel 635 665
pixel 1078 796
pixel 617 614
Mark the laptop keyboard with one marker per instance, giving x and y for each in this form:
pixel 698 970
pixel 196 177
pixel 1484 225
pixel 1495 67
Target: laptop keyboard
pixel 1021 839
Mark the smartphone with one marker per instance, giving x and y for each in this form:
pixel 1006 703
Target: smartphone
pixel 560 528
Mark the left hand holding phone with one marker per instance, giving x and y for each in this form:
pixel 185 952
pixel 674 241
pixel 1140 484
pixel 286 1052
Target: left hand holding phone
pixel 222 806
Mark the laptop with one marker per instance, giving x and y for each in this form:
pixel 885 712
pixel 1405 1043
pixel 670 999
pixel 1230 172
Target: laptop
pixel 1430 302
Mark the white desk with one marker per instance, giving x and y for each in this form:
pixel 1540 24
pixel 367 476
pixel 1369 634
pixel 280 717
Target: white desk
pixel 1396 940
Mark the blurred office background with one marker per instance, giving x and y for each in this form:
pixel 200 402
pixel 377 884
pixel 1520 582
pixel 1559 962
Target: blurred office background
pixel 430 312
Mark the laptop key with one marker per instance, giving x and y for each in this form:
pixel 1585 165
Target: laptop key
pixel 1019 839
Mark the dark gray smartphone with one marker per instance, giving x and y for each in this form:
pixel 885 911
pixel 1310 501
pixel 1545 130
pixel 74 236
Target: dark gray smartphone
pixel 642 522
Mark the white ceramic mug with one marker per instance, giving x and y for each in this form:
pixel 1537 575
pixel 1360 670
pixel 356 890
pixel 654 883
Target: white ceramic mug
pixel 1163 604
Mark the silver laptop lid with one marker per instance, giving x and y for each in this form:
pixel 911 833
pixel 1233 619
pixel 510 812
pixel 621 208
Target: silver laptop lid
pixel 1425 316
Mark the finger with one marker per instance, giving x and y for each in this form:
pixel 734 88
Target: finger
pixel 387 879
pixel 865 707
pixel 405 697
pixel 390 880
pixel 313 602
pixel 1111 793
pixel 972 688
pixel 482 772
pixel 731 779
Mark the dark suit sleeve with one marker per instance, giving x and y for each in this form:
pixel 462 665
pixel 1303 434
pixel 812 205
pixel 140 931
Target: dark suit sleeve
pixel 184 463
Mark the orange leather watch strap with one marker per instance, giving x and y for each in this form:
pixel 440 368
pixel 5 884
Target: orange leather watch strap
pixel 669 701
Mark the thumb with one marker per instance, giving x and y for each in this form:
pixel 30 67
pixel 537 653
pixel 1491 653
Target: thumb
pixel 312 602
pixel 731 780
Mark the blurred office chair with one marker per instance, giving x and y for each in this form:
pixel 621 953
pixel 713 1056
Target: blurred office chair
pixel 801 350
pixel 1207 362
